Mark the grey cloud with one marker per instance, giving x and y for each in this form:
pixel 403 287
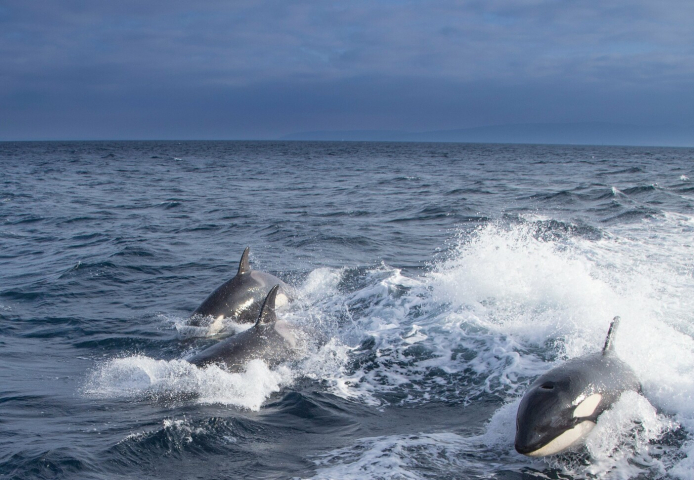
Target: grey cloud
pixel 271 109
pixel 219 68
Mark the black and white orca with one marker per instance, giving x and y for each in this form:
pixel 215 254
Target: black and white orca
pixel 562 406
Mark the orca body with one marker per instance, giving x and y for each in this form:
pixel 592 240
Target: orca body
pixel 240 298
pixel 270 339
pixel 562 406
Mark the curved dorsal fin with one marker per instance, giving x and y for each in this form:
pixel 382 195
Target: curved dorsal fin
pixel 267 311
pixel 609 341
pixel 244 266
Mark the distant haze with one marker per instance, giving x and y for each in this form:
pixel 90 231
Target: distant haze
pixel 547 133
pixel 615 72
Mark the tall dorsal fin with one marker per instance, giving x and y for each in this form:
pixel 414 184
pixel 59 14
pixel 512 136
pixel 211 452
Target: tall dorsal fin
pixel 244 266
pixel 267 311
pixel 609 341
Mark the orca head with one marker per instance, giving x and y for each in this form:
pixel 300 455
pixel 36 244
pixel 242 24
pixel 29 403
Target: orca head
pixel 552 417
pixel 561 407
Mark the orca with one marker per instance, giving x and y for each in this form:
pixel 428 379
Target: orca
pixel 561 407
pixel 270 339
pixel 239 298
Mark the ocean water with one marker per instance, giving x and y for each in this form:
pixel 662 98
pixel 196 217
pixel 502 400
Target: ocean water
pixel 434 283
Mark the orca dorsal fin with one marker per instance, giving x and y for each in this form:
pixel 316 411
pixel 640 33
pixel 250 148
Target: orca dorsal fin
pixel 609 341
pixel 244 266
pixel 267 311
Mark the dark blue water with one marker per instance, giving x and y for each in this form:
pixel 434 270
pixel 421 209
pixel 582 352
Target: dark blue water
pixel 437 280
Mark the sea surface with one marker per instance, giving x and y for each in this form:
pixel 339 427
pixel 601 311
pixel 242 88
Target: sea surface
pixel 434 283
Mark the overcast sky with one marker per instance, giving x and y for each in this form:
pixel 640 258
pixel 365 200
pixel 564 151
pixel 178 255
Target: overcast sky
pixel 237 69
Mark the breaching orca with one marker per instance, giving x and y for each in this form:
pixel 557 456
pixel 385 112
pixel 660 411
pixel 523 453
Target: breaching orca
pixel 239 298
pixel 562 406
pixel 270 339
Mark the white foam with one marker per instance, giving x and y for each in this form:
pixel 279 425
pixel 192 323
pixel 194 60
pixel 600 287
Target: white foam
pixel 544 293
pixel 503 307
pixel 517 304
pixel 515 284
pixel 321 284
pixel 140 376
pixel 417 456
pixel 618 447
pixel 623 433
pixel 398 456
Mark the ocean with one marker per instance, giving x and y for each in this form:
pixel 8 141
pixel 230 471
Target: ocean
pixel 434 283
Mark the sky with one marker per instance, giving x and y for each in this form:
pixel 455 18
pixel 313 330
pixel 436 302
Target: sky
pixel 236 69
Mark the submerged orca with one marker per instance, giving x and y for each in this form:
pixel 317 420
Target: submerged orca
pixel 562 406
pixel 270 339
pixel 240 297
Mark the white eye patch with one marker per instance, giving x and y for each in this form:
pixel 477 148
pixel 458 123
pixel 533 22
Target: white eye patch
pixel 587 406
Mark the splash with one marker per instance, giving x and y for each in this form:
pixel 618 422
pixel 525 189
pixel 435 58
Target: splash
pixel 509 301
pixel 619 447
pixel 512 300
pixel 408 457
pixel 140 377
pixel 146 378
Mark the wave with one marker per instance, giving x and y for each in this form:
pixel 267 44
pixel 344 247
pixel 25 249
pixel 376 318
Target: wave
pixel 507 305
pixel 640 189
pixel 504 303
pixel 622 434
pixel 144 377
pixel 57 463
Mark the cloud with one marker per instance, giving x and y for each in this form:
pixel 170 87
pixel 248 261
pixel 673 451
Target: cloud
pixel 341 62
